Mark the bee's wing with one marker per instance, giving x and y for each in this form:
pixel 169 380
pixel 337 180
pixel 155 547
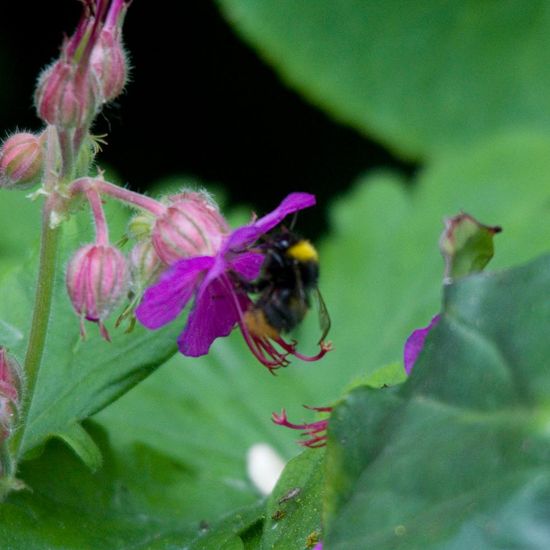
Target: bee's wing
pixel 324 317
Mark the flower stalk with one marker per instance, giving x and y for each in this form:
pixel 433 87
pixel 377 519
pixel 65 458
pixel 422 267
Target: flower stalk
pixel 49 246
pixel 119 193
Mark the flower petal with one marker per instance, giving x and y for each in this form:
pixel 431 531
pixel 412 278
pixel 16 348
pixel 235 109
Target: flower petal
pixel 164 301
pixel 244 236
pixel 415 343
pixel 248 264
pixel 214 314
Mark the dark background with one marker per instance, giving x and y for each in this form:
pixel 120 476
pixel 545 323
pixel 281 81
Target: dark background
pixel 230 121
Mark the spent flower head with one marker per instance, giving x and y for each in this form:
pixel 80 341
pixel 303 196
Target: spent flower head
pixel 217 281
pixel 467 247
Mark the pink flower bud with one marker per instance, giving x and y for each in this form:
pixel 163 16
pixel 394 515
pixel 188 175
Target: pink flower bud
pixel 191 226
pixel 145 266
pixel 97 278
pixel 11 383
pixel 21 158
pixel 109 62
pixel 67 95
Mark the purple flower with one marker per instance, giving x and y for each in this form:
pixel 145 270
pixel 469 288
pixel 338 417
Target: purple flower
pixel 220 301
pixel 415 343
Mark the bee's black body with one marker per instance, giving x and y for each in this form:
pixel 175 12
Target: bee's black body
pixel 289 273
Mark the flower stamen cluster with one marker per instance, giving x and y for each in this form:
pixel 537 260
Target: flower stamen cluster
pixel 316 432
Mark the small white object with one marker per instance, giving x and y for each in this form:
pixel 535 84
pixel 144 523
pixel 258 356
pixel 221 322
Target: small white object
pixel 264 466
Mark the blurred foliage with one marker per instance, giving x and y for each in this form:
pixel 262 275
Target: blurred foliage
pixel 423 77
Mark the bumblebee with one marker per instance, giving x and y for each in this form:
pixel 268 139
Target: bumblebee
pixel 285 287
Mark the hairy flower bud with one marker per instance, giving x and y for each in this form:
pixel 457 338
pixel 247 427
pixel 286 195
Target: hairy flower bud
pixel 192 225
pixel 11 383
pixel 21 159
pixel 67 96
pixel 109 63
pixel 97 278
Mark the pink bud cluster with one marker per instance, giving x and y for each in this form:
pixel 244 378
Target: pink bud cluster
pixel 91 70
pixel 99 276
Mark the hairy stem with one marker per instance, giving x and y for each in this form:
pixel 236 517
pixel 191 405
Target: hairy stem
pixel 118 193
pixel 101 229
pixel 40 320
pixel 67 152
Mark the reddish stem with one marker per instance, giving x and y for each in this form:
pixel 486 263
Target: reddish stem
pixel 101 228
pixel 118 193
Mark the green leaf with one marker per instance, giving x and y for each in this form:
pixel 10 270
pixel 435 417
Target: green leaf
pixel 140 499
pixel 236 531
pixel 294 508
pixel 456 457
pixel 82 444
pixel 77 378
pixel 420 76
pixel 21 232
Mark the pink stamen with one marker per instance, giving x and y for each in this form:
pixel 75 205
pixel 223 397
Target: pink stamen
pixel 315 431
pixel 325 347
pixel 256 345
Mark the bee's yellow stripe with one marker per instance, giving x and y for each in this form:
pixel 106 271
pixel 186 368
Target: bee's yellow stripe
pixel 303 251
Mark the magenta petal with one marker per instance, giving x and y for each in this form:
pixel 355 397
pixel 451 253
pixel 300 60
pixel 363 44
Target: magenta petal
pixel 164 301
pixel 292 203
pixel 415 343
pixel 214 314
pixel 248 264
pixel 246 235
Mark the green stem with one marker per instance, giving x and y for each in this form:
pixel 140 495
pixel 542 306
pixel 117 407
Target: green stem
pixel 40 320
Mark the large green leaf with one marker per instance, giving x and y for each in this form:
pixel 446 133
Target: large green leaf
pixel 422 76
pixel 293 517
pixel 76 378
pixel 139 499
pixel 457 457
